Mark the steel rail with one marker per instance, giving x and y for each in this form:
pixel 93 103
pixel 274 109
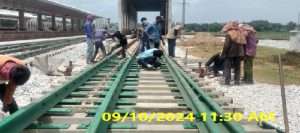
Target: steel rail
pixel 199 101
pixel 99 125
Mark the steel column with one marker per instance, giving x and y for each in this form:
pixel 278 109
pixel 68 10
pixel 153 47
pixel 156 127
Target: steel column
pixel 40 22
pixel 78 24
pixel 64 23
pixel 53 23
pixel 21 20
pixel 72 24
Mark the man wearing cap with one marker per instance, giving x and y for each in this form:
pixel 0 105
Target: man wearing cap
pixel 89 32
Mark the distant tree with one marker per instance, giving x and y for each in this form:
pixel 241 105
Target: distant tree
pixel 291 26
pixel 259 25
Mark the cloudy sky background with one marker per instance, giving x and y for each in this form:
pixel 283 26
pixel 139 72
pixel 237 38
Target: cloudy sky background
pixel 201 11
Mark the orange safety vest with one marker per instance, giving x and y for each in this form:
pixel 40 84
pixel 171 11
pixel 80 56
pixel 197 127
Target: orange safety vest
pixel 5 58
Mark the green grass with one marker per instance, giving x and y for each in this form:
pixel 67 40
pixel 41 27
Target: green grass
pixel 266 66
pixel 274 35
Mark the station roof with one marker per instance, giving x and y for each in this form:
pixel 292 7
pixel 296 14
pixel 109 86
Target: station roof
pixel 42 6
pixel 147 5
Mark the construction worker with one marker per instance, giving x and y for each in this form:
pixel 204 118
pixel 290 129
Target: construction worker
pixel 172 35
pixel 153 31
pixel 233 51
pixel 250 52
pixel 100 36
pixel 144 40
pixel 13 73
pixel 89 32
pixel 149 59
pixel 122 42
pixel 215 64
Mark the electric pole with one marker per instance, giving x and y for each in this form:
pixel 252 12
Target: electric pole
pixel 298 27
pixel 183 12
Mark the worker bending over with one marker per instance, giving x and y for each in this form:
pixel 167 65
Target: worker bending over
pixel 215 64
pixel 122 42
pixel 149 59
pixel 13 73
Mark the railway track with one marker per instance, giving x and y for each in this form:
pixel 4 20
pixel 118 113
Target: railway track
pixel 117 96
pixel 26 50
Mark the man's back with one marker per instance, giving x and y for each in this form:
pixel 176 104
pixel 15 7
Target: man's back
pixel 153 31
pixel 146 53
pixel 100 34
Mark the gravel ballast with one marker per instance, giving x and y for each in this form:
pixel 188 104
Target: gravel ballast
pixel 40 84
pixel 264 98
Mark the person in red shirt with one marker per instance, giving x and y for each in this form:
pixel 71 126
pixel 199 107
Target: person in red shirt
pixel 13 73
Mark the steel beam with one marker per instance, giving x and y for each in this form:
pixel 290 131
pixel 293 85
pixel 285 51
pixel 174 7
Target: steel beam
pixel 72 24
pixel 64 24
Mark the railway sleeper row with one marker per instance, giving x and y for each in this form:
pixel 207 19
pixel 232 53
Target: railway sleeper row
pixel 121 86
pixel 77 109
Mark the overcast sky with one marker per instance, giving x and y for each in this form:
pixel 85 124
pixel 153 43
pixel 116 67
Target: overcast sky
pixel 201 11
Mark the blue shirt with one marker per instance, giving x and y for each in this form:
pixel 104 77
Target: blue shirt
pixel 153 31
pixel 147 53
pixel 88 29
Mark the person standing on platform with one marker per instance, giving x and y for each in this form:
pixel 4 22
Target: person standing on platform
pixel 172 35
pixel 233 51
pixel 100 36
pixel 13 73
pixel 89 32
pixel 250 52
pixel 153 31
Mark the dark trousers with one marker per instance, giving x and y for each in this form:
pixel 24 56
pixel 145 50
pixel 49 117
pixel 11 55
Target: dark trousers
pixel 171 47
pixel 13 107
pixel 154 43
pixel 123 51
pixel 151 61
pixel 235 63
pixel 248 69
pixel 99 44
pixel 144 44
pixel 215 68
